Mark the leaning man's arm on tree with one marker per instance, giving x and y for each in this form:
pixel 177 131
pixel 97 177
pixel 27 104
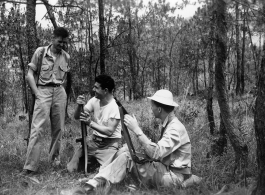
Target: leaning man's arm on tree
pixel 32 70
pixel 31 81
pixel 34 59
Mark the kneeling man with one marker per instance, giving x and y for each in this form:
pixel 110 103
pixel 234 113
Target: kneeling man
pixel 101 113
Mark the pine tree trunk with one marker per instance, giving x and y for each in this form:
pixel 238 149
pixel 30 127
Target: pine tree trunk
pixel 209 106
pixel 132 59
pixel 101 35
pixel 259 123
pixel 31 28
pixel 242 76
pixel 32 41
pixel 238 56
pixel 24 83
pixel 237 142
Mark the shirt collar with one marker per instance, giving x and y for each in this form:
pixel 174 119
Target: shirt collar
pixel 168 119
pixel 48 51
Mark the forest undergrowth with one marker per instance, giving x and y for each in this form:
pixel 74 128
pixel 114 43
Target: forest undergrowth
pixel 217 172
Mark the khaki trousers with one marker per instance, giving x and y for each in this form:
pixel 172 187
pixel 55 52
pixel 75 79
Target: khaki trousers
pixel 103 155
pixel 152 173
pixel 50 103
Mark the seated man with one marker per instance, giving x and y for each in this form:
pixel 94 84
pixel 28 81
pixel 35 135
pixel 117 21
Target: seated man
pixel 105 122
pixel 171 156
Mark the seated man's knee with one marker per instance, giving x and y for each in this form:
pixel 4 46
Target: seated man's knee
pixel 121 150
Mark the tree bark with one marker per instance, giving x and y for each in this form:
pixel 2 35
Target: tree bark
pixel 24 84
pixel 209 106
pixel 32 39
pixel 259 124
pixel 101 36
pixel 132 60
pixel 242 76
pixel 31 28
pixel 237 142
pixel 238 56
pixel 91 51
pixel 254 52
pixel 219 145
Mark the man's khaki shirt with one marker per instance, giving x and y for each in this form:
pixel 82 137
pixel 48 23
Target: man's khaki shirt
pixel 53 69
pixel 174 148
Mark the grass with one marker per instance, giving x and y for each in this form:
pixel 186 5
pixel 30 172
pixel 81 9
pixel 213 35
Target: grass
pixel 216 171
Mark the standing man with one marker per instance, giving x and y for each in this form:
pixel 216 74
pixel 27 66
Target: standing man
pixel 170 158
pixel 101 113
pixel 50 98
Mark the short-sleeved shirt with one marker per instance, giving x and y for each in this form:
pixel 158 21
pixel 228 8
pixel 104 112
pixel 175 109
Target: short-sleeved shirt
pixel 103 114
pixel 53 69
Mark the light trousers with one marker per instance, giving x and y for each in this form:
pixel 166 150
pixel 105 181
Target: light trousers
pixel 153 174
pixel 102 155
pixel 50 103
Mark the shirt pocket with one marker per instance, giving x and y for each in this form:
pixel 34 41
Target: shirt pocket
pixel 62 70
pixel 46 72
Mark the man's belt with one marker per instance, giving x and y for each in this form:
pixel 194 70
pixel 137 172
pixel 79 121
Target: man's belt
pixel 104 139
pixel 50 85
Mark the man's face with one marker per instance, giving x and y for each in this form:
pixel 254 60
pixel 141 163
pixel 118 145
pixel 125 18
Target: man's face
pixel 155 109
pixel 99 92
pixel 59 43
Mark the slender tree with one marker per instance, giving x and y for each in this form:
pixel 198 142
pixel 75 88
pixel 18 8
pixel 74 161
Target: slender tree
pixel 238 56
pixel 31 27
pixel 101 36
pixel 242 67
pixel 31 37
pixel 209 106
pixel 259 124
pixel 237 141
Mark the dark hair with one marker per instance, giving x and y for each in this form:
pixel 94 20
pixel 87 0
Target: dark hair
pixel 60 32
pixel 105 81
pixel 167 108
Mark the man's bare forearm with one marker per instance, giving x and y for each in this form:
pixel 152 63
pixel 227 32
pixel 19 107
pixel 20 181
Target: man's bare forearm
pixel 105 130
pixel 31 81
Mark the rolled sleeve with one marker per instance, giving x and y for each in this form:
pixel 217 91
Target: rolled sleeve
pixel 32 66
pixel 116 113
pixel 89 106
pixel 34 59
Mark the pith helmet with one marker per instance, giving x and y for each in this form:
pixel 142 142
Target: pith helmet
pixel 165 97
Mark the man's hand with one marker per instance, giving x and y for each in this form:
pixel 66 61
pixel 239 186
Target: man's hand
pixel 81 100
pixel 85 117
pixel 132 124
